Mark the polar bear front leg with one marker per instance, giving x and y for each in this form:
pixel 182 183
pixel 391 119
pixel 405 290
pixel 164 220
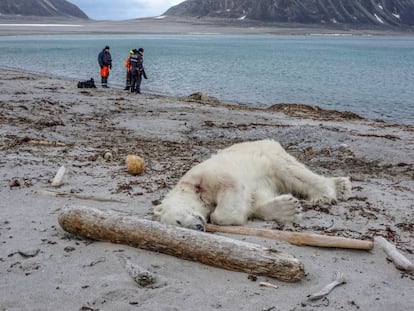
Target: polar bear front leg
pixel 233 206
pixel 283 209
pixel 343 188
pixel 329 190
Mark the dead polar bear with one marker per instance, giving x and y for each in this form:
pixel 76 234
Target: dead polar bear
pixel 256 179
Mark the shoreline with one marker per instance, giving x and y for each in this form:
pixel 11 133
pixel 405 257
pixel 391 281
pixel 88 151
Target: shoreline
pixel 48 122
pixel 290 109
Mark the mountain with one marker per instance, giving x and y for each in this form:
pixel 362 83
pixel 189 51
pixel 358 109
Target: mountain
pixel 399 13
pixel 43 8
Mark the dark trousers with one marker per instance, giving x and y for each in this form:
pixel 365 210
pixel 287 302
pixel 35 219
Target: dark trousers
pixel 136 82
pixel 104 82
pixel 128 80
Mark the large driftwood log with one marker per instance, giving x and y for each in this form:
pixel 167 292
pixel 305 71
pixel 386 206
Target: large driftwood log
pixel 199 246
pixel 296 238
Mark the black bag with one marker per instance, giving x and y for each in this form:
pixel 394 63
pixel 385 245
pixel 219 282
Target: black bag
pixel 88 84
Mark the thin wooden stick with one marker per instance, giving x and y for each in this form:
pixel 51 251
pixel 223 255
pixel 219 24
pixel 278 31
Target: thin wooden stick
pixel 296 238
pixel 77 196
pixel 46 143
pixel 268 284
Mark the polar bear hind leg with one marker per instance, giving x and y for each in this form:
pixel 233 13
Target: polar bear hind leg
pixel 318 189
pixel 295 178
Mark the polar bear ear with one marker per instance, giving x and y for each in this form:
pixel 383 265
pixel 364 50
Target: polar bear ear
pixel 158 210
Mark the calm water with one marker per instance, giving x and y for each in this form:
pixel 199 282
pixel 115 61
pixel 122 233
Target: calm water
pixel 372 76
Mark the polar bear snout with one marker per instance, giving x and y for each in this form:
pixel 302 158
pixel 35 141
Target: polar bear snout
pixel 200 227
pixel 182 217
pixel 193 221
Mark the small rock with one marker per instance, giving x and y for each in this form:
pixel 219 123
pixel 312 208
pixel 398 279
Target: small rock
pixel 14 183
pixel 69 249
pixel 108 156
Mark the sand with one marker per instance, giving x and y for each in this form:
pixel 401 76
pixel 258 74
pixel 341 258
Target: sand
pixel 47 122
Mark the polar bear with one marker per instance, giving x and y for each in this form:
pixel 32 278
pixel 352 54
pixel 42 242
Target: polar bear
pixel 257 179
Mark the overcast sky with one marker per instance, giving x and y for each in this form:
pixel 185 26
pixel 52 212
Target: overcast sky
pixel 123 9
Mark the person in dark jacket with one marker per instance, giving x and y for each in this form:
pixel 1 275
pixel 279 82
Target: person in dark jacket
pixel 137 70
pixel 105 62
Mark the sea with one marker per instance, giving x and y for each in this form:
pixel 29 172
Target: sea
pixel 372 76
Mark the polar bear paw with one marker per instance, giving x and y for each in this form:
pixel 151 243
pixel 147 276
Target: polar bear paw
pixel 335 189
pixel 323 199
pixel 343 188
pixel 283 209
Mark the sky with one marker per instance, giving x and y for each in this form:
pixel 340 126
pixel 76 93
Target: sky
pixel 123 9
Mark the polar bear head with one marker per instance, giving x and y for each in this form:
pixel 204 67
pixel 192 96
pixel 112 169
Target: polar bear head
pixel 183 209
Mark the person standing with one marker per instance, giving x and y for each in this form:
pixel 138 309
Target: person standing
pixel 128 72
pixel 105 62
pixel 137 69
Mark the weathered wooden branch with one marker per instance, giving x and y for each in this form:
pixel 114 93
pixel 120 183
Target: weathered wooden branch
pixel 57 180
pixel 46 143
pixel 399 260
pixel 337 279
pixel 296 238
pixel 189 244
pixel 268 284
pixel 141 276
pixel 77 196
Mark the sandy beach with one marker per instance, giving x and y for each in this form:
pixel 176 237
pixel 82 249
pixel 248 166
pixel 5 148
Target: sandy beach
pixel 47 122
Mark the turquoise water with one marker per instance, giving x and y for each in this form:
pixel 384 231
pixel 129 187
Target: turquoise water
pixel 369 75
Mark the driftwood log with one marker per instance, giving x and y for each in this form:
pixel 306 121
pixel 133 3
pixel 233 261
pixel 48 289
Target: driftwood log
pixel 194 245
pixel 399 260
pixel 296 238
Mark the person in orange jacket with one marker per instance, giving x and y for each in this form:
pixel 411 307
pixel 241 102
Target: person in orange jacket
pixel 128 71
pixel 105 62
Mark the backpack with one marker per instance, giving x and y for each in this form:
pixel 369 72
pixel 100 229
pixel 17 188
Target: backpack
pixel 88 84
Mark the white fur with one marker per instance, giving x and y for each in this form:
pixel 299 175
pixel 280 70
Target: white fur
pixel 248 180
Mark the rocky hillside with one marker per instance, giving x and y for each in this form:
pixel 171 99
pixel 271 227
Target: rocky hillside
pixel 44 8
pixel 398 13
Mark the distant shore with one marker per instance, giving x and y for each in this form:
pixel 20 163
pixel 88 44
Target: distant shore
pixel 11 26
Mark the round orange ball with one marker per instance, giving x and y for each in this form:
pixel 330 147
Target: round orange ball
pixel 135 164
